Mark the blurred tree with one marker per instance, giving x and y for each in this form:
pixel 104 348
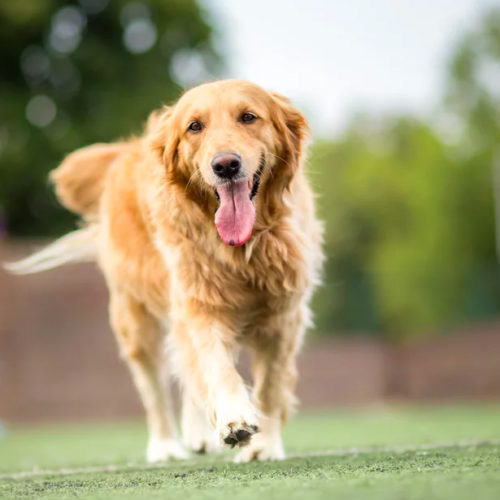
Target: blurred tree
pixel 77 72
pixel 473 94
pixel 386 206
pixel 409 231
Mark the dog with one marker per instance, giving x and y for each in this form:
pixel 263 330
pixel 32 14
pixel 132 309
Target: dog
pixel 205 230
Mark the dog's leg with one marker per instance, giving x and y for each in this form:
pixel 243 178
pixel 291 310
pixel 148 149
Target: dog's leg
pixel 197 434
pixel 207 371
pixel 275 374
pixel 141 341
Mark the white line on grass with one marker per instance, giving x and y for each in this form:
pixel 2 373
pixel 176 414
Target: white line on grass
pixel 311 454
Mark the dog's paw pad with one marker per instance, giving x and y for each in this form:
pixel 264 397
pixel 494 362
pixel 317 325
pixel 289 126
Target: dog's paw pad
pixel 230 440
pixel 239 434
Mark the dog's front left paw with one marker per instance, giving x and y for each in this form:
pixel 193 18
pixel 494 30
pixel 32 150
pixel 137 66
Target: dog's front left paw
pixel 236 421
pixel 238 433
pixel 161 450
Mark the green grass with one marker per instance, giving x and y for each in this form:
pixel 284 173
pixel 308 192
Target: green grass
pixel 442 471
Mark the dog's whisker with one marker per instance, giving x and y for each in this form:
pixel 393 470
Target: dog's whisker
pixel 193 175
pixel 277 156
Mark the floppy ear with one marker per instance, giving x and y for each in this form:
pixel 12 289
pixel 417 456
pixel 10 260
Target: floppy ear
pixel 291 131
pixel 162 140
pixel 292 128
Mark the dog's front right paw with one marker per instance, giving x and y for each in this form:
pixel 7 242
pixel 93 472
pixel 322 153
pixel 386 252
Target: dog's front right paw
pixel 262 447
pixel 161 450
pixel 200 440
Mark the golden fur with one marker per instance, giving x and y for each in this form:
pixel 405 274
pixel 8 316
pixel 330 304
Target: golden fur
pixel 167 269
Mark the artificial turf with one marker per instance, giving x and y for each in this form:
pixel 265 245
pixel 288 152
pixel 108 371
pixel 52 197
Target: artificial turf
pixel 461 459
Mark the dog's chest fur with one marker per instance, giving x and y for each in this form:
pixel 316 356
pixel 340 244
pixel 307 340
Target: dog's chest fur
pixel 243 293
pixel 270 274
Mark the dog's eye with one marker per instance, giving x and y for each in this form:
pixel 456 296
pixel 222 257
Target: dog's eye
pixel 195 126
pixel 248 117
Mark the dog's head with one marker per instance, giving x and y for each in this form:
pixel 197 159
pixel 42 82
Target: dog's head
pixel 232 143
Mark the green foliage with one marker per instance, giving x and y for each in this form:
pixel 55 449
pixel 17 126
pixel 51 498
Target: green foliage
pixel 473 85
pixel 410 234
pixel 410 230
pixel 100 66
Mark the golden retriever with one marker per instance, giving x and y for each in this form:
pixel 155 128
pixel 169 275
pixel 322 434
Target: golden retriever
pixel 205 229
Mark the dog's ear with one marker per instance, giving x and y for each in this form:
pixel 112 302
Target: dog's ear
pixel 292 129
pixel 163 139
pixel 291 132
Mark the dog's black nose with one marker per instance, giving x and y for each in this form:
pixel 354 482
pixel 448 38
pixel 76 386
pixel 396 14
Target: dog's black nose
pixel 226 165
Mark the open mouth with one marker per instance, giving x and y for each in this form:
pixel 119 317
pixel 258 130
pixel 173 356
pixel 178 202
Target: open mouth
pixel 256 178
pixel 235 216
pixel 255 181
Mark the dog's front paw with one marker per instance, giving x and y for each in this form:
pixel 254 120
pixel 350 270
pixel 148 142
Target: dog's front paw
pixel 237 433
pixel 161 450
pixel 262 447
pixel 236 423
pixel 200 439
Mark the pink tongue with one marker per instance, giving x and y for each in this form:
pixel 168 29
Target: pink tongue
pixel 235 217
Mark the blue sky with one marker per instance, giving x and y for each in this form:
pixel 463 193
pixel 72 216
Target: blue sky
pixel 335 57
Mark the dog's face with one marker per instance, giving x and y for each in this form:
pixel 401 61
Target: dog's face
pixel 233 141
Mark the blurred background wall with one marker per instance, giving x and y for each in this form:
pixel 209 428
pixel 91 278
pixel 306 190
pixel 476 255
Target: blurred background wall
pixel 404 103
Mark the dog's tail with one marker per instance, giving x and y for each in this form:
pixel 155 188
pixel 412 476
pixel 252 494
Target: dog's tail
pixel 79 183
pixel 77 246
pixel 79 180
